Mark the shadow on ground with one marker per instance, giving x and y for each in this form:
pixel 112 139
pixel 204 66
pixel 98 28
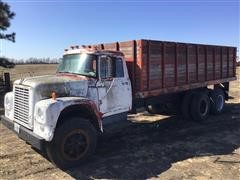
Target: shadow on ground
pixel 144 150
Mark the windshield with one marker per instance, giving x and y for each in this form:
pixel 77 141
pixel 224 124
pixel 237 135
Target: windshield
pixel 82 64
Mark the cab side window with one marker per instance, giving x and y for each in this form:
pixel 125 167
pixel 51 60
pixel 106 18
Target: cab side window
pixel 119 67
pixel 106 67
pixel 111 67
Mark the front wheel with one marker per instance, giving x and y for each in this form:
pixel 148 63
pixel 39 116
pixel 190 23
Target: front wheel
pixel 74 141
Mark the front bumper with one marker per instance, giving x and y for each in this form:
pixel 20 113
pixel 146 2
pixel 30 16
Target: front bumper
pixel 25 134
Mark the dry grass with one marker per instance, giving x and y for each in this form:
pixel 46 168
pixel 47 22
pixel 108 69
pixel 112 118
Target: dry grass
pixel 30 70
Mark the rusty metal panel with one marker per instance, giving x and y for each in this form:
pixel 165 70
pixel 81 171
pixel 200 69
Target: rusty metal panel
pixel 127 49
pixel 176 65
pixel 111 46
pixel 169 73
pixel 224 61
pixel 214 59
pixel 217 62
pixel 99 46
pixel 138 67
pixel 144 70
pixel 234 61
pixel 165 65
pixel 192 63
pixel 182 88
pixel 201 63
pixel 182 58
pixel 230 60
pixel 157 67
pixel 209 55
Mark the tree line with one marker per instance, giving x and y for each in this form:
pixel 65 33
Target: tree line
pixel 33 60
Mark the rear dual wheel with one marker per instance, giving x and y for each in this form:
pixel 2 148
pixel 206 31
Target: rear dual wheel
pixel 195 106
pixel 217 98
pixel 198 105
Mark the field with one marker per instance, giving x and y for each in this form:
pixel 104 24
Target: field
pixel 149 146
pixel 22 71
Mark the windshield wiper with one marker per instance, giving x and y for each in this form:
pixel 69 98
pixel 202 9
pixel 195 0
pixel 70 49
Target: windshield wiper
pixel 63 72
pixel 83 74
pixel 77 73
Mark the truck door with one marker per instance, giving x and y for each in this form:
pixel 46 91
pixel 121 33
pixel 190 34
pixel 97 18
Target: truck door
pixel 114 88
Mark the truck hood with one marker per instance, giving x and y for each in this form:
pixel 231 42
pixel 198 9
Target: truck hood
pixel 62 84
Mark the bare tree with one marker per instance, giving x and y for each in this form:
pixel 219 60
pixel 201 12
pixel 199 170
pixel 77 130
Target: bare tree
pixel 6 15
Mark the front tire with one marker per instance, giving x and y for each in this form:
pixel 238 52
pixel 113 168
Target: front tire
pixel 73 142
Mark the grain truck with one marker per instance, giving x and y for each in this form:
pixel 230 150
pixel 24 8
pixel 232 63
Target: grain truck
pixel 98 85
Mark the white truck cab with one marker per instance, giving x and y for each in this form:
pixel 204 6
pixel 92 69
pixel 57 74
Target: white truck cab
pixel 62 113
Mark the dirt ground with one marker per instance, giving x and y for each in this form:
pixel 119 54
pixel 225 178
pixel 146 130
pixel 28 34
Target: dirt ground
pixel 149 146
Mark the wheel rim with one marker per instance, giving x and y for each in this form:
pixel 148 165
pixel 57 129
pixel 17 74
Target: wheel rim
pixel 203 108
pixel 75 145
pixel 219 103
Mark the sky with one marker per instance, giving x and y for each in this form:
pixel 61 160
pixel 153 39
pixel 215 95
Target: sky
pixel 44 28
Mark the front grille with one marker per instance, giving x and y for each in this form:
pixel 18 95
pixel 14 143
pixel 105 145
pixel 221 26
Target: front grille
pixel 21 104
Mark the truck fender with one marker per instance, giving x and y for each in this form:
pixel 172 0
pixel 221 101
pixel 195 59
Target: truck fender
pixel 48 111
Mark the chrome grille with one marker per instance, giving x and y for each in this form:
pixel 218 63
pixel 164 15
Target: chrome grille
pixel 21 104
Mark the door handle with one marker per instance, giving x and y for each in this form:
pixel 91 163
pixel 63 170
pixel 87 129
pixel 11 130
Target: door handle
pixel 124 83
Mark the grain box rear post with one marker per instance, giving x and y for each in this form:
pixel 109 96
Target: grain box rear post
pixel 160 67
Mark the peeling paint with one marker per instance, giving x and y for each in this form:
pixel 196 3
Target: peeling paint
pixel 105 97
pixel 44 126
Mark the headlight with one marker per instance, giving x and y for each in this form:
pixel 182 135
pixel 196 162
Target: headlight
pixel 40 116
pixel 40 113
pixel 8 105
pixel 8 101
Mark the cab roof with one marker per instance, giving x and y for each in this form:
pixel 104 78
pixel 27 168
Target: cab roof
pixel 90 50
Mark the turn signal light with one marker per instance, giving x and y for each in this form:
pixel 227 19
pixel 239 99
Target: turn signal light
pixel 54 95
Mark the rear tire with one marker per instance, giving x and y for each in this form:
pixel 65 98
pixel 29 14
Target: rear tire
pixel 217 101
pixel 73 142
pixel 200 106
